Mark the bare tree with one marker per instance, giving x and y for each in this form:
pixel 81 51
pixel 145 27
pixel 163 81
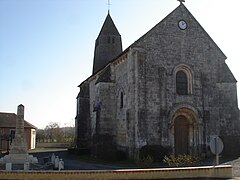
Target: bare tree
pixel 41 135
pixel 53 132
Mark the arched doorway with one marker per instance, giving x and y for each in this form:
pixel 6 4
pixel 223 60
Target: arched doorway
pixel 181 135
pixel 186 131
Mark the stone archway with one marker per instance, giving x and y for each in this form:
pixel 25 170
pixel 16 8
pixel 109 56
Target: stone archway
pixel 185 131
pixel 181 135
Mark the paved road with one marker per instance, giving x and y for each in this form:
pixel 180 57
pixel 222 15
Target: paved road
pixel 71 163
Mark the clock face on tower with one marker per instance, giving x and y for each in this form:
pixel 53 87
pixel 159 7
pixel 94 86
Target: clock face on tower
pixel 182 24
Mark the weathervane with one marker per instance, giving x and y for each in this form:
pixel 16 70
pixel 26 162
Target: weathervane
pixel 181 1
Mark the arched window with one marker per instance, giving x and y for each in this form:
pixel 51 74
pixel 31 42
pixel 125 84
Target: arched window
pixel 183 79
pixel 121 100
pixel 181 83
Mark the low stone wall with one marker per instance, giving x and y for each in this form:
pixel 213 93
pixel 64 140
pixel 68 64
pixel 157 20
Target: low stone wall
pixel 52 145
pixel 160 173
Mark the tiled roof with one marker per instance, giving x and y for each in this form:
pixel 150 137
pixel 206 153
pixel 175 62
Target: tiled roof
pixel 9 120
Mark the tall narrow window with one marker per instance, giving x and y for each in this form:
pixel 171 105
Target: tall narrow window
pixel 121 100
pixel 113 40
pixel 181 83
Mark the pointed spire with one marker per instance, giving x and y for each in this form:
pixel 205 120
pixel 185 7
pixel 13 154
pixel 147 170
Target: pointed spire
pixel 108 44
pixel 109 27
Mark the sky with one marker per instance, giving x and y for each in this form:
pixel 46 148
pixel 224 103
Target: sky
pixel 47 46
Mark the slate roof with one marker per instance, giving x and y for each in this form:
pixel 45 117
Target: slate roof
pixel 181 7
pixel 8 120
pixel 109 27
pixel 84 91
pixel 105 75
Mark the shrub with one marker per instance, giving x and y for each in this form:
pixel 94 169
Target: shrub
pixel 181 160
pixel 156 152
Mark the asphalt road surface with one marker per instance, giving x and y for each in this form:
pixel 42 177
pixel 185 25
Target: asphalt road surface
pixel 73 163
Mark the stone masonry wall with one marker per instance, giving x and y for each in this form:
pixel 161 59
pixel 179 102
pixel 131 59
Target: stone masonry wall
pixel 145 77
pixel 167 47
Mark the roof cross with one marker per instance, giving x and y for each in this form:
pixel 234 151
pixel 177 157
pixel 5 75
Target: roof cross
pixel 181 1
pixel 109 4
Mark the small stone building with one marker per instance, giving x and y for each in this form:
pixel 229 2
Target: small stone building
pixel 8 128
pixel 170 88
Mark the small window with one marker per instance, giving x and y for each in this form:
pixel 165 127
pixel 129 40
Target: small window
pixel 181 83
pixel 113 40
pixel 121 100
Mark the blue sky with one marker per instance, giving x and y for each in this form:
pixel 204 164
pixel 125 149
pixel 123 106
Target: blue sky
pixel 46 46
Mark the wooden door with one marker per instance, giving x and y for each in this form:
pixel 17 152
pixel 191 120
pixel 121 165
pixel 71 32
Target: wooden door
pixel 181 135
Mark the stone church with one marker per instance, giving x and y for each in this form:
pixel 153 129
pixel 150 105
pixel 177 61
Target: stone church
pixel 170 88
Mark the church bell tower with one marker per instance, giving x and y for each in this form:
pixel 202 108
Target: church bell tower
pixel 108 44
